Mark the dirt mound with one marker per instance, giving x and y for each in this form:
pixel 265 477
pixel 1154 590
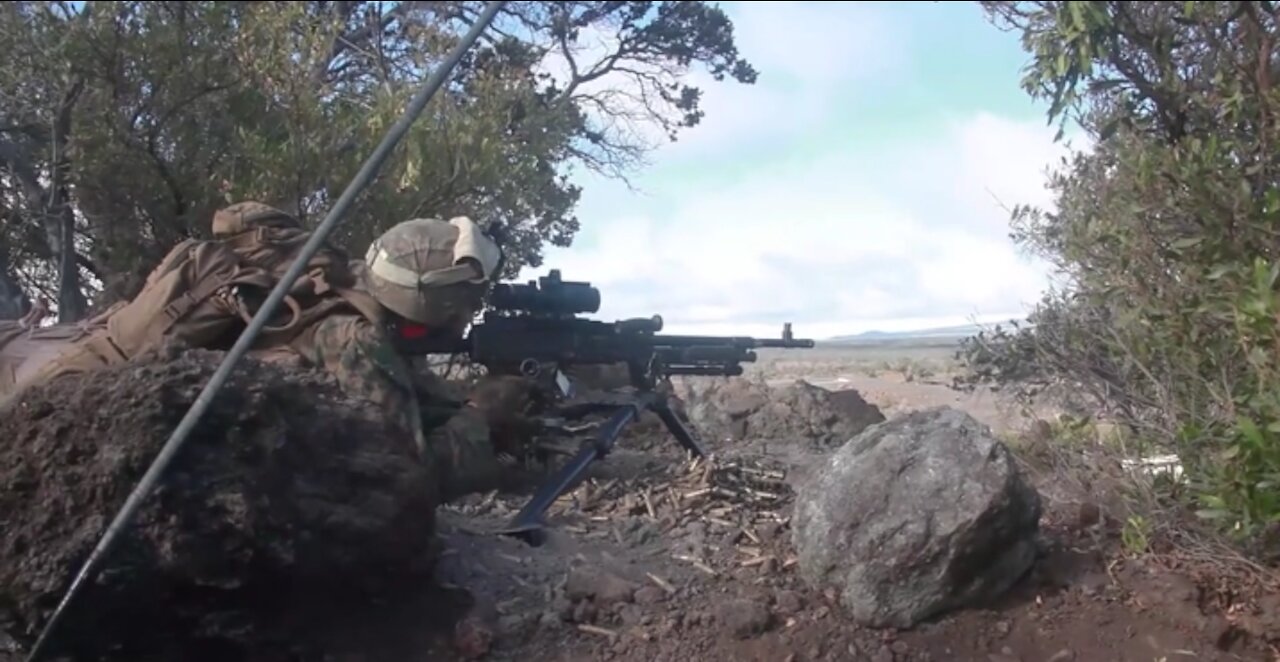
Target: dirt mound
pixel 735 409
pixel 283 484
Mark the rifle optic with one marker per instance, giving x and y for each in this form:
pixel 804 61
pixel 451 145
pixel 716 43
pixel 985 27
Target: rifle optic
pixel 549 295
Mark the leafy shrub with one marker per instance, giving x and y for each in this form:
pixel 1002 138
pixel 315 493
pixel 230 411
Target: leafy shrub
pixel 1166 236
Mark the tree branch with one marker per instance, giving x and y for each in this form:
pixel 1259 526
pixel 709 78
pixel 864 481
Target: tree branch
pixel 71 302
pixel 14 302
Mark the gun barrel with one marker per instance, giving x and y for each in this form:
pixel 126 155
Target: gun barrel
pixel 744 342
pixel 804 343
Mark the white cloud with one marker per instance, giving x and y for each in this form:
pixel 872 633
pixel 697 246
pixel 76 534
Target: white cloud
pixel 798 78
pixel 817 43
pixel 805 55
pixel 910 237
pixel 902 234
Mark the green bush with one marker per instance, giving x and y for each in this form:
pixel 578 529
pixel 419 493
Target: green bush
pixel 1166 236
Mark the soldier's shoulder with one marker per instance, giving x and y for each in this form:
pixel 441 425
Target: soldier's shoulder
pixel 350 327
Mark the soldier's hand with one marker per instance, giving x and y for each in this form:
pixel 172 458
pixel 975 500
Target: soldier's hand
pixel 508 404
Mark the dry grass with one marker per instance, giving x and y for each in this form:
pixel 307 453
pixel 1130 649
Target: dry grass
pixel 1075 462
pixel 912 362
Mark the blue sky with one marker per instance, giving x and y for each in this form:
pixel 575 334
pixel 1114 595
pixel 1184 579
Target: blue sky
pixel 857 185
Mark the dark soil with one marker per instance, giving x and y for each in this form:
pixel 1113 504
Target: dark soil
pixel 655 558
pixel 284 489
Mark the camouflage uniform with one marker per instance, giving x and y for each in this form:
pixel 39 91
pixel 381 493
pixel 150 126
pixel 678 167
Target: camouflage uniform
pixel 455 444
pixel 430 272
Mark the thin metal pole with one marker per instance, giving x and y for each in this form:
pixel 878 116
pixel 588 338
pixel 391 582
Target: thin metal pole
pixel 188 423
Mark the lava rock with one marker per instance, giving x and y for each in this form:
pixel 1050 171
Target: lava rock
pixel 914 517
pixel 737 409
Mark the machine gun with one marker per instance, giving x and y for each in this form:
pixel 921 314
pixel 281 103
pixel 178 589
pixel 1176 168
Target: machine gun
pixel 533 330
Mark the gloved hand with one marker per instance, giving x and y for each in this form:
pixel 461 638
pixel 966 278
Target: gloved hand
pixel 508 405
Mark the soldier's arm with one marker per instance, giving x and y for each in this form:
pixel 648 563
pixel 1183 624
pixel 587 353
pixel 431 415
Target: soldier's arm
pixel 456 443
pixel 359 357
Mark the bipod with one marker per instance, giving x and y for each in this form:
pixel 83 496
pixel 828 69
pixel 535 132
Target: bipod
pixel 528 524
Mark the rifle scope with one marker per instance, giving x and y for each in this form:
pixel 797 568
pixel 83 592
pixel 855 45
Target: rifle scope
pixel 548 295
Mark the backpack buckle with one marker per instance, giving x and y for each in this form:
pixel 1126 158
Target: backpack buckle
pixel 179 307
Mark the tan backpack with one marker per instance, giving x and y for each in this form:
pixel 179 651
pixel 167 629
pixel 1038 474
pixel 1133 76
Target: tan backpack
pixel 204 293
pixel 269 240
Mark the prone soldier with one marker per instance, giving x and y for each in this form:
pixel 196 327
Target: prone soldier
pixel 421 275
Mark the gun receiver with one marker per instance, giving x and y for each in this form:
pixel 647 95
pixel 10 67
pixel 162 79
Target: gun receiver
pixel 532 330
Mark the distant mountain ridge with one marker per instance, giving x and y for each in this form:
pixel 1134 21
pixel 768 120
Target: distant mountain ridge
pixel 957 332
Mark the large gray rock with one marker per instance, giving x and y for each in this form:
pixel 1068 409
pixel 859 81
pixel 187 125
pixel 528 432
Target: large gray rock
pixel 921 515
pixel 736 409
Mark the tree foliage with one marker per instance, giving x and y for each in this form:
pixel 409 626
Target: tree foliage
pixel 124 125
pixel 1166 232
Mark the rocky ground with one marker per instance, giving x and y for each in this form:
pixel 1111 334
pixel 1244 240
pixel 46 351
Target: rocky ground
pixel 659 556
pixel 649 565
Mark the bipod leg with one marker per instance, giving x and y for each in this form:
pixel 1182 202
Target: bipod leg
pixel 527 524
pixel 677 427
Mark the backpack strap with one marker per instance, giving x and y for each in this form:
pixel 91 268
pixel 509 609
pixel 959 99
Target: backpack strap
pixel 179 308
pixel 296 315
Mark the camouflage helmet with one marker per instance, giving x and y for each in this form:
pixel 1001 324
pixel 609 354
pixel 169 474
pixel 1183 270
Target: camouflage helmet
pixel 431 271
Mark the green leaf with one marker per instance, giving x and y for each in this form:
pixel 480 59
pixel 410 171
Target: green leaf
pixel 1218 272
pixel 1077 14
pixel 1249 430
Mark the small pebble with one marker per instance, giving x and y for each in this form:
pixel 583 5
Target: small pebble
pixel 788 602
pixel 743 618
pixel 650 595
